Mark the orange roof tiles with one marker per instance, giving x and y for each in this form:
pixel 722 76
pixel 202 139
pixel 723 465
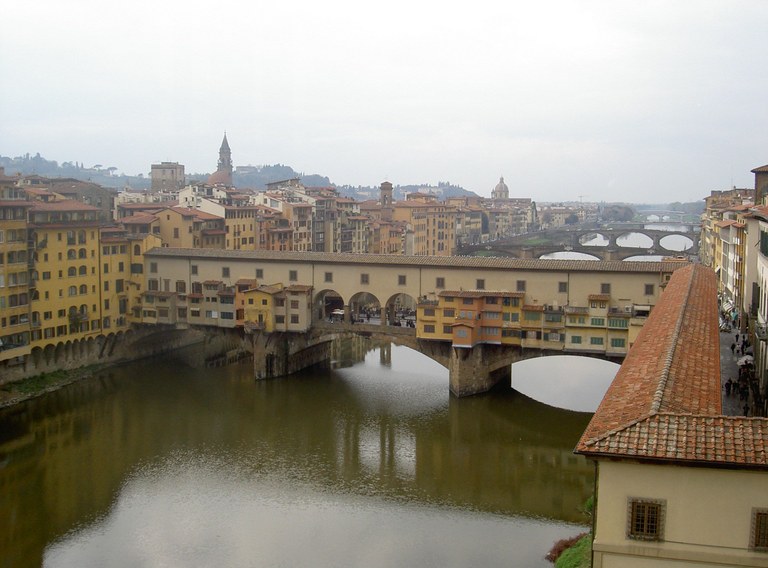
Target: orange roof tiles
pixel 665 402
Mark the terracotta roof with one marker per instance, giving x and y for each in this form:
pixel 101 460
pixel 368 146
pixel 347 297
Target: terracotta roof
pixel 665 402
pixel 138 219
pixel 64 205
pixel 760 169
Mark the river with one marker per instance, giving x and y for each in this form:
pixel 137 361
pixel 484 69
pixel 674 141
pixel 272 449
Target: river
pixel 373 463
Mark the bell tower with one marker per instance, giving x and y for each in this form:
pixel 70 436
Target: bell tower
pixel 386 201
pixel 225 157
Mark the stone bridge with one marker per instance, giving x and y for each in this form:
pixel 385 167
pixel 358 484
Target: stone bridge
pixel 535 245
pixel 470 371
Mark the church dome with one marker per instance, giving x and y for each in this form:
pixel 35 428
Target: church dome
pixel 220 177
pixel 501 191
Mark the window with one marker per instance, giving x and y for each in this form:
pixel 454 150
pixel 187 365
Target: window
pixel 153 267
pixel 225 271
pixel 759 533
pixel 280 302
pixel 605 288
pixel 106 285
pixel 618 322
pixel 429 311
pixel 259 273
pixel 294 304
pixel 645 519
pixel 293 275
pixel 480 284
pixel 181 287
pixel 440 282
pixel 532 316
pixel 294 318
pixel 279 319
pixel 448 312
pixel 618 342
pixel 521 285
pixel 562 287
pixel 649 288
pixel 600 322
pixel 401 279
pixel 447 329
pixel 595 340
pixel 364 279
pixel 429 329
pixel 576 339
pixel 175 232
pixel 329 277
pixel 193 269
pixel 467 301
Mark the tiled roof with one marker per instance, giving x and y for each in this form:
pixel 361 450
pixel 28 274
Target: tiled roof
pixel 486 263
pixel 665 402
pixel 63 205
pixel 760 169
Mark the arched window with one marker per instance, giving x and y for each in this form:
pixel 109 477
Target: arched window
pixel 73 290
pixel 71 271
pixel 83 310
pixel 82 253
pixel 136 250
pixel 83 271
pixel 83 289
pixel 71 254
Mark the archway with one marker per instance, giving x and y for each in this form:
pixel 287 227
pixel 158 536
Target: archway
pixel 365 308
pixel 328 305
pixel 400 310
pixel 573 382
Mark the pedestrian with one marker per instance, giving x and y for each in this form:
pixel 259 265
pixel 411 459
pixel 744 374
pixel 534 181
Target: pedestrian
pixel 733 347
pixel 737 338
pixel 728 384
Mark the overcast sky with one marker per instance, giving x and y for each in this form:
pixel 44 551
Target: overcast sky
pixel 652 101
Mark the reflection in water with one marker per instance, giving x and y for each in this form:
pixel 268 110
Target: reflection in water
pixel 566 381
pixel 374 463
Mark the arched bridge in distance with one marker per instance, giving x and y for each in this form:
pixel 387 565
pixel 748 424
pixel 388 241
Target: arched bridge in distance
pixel 536 245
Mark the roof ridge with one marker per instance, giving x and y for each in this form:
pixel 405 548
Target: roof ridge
pixel 658 396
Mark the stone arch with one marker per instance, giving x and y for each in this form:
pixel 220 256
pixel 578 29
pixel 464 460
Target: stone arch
pixel 49 353
pixel 586 237
pixel 400 309
pixel 365 308
pixel 326 302
pixel 646 238
pixel 36 356
pixel 90 346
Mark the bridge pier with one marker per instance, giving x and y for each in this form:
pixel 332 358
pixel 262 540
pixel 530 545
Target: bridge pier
pixel 470 372
pixel 282 353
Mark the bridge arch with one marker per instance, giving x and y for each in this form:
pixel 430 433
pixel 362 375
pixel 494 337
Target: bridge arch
pixel 400 310
pixel 365 307
pixel 648 241
pixel 326 302
pixel 584 239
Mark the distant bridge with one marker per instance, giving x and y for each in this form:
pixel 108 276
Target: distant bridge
pixel 536 245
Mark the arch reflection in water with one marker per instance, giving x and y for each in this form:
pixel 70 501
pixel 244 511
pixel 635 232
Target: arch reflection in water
pixel 565 381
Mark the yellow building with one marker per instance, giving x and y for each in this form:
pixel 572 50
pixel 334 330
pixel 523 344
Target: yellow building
pixel 68 297
pixel 15 284
pixel 595 324
pixel 433 225
pixel 278 308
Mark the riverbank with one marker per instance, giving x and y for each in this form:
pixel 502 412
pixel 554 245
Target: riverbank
pixel 32 387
